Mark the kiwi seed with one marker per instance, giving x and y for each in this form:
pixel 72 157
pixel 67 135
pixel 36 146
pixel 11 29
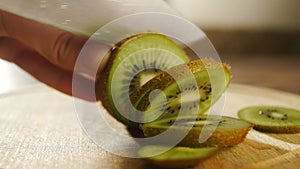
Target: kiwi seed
pixel 272 118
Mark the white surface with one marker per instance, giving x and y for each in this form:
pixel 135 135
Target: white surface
pixel 39 129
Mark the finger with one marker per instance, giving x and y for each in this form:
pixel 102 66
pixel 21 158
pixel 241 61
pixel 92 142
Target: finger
pixel 43 70
pixel 57 46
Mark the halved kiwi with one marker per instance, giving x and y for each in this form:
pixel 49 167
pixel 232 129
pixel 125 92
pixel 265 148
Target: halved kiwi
pixel 190 88
pixel 176 157
pixel 223 131
pixel 272 118
pixel 132 62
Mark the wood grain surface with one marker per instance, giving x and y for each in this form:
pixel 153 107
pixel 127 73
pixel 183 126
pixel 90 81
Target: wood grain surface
pixel 39 129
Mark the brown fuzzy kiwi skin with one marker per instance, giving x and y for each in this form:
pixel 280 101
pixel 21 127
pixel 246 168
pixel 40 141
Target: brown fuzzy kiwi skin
pixel 219 138
pixel 278 129
pixel 178 72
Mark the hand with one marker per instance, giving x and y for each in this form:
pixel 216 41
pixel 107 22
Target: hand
pixel 47 53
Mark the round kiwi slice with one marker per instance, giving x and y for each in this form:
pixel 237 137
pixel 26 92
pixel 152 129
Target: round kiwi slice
pixel 185 89
pixel 176 157
pixel 272 118
pixel 132 62
pixel 223 131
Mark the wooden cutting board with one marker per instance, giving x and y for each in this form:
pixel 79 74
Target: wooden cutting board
pixel 39 129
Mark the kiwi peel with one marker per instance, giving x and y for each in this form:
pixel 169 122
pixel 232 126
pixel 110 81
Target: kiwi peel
pixel 272 119
pixel 225 131
pixel 139 58
pixel 176 157
pixel 194 98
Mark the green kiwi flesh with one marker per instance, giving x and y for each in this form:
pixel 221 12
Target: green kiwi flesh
pixel 224 131
pixel 132 62
pixel 191 93
pixel 272 119
pixel 176 157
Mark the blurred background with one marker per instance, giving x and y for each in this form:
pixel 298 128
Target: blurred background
pixel 260 39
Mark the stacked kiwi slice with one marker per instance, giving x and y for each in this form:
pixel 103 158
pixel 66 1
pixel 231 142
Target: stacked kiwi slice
pixel 176 157
pixel 186 89
pixel 224 131
pixel 150 84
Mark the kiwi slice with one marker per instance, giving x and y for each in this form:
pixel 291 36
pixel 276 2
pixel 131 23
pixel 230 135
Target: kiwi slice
pixel 186 88
pixel 224 131
pixel 176 157
pixel 132 62
pixel 272 118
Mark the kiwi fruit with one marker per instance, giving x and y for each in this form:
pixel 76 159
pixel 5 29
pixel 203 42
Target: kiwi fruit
pixel 131 63
pixel 272 119
pixel 176 157
pixel 186 88
pixel 224 131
